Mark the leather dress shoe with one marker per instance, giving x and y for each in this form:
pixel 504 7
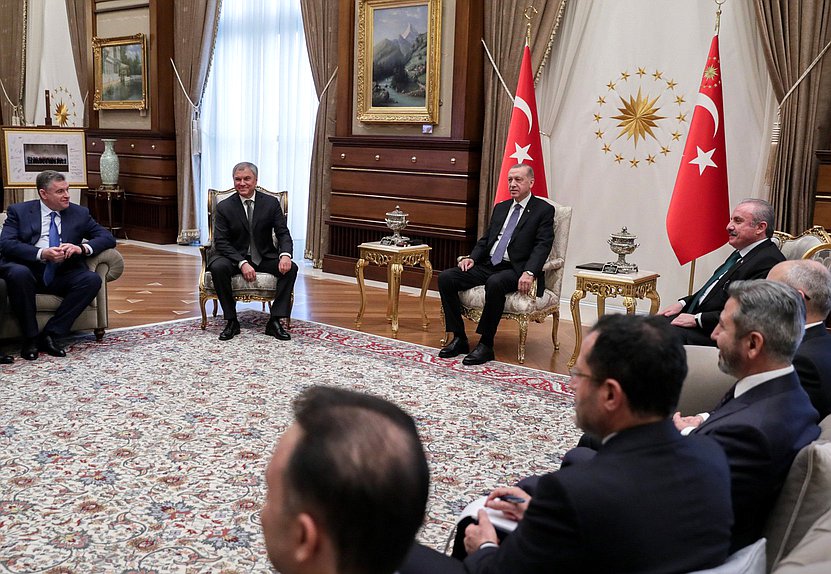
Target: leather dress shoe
pixel 480 354
pixel 6 359
pixel 275 328
pixel 29 350
pixel 455 347
pixel 231 329
pixel 48 345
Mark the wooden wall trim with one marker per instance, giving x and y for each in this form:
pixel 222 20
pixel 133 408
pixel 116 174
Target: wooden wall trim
pixel 346 65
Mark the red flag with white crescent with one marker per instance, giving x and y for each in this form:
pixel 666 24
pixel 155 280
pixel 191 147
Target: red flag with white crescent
pixel 523 143
pixel 700 206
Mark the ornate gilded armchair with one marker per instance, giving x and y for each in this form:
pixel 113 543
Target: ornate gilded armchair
pixel 525 308
pixel 800 246
pixel 262 289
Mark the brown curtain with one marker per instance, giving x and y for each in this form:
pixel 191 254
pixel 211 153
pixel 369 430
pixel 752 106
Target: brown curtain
pixel 320 21
pixel 194 33
pixel 12 62
pixel 76 14
pixel 505 37
pixel 793 33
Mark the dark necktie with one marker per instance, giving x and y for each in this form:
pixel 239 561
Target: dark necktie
pixel 502 246
pixel 725 267
pixel 54 241
pixel 252 246
pixel 728 396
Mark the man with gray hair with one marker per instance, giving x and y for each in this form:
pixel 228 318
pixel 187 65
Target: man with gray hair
pixel 813 357
pixel 748 232
pixel 245 226
pixel 766 417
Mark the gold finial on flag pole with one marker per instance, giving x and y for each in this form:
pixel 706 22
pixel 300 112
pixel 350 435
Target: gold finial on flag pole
pixel 718 14
pixel 528 16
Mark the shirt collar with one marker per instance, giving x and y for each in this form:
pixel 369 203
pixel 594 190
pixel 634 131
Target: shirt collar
pixel 751 247
pixel 45 211
pixel 523 203
pixel 809 325
pixel 244 199
pixel 752 381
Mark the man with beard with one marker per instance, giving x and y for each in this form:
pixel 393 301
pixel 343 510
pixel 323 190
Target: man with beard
pixel 766 417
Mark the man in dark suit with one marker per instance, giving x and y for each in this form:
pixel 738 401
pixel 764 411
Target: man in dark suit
pixel 43 246
pixel 749 233
pixel 766 418
pixel 243 247
pixel 506 259
pixel 347 486
pixel 812 360
pixel 649 501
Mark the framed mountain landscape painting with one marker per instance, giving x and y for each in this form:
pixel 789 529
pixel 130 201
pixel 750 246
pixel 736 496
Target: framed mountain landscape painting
pixel 398 61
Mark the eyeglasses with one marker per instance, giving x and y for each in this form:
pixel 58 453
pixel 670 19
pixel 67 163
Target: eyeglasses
pixel 574 373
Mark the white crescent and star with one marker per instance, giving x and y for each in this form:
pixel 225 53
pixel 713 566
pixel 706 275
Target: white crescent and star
pixel 708 104
pixel 704 159
pixel 521 152
pixel 523 106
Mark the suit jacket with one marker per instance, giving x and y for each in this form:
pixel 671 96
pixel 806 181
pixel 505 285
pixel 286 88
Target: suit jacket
pixel 813 365
pixel 22 230
pixel 761 431
pixel 231 236
pixel 649 501
pixel 530 243
pixel 754 265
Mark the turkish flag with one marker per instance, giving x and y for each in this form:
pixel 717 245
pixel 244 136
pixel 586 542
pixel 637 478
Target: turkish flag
pixel 523 143
pixel 700 207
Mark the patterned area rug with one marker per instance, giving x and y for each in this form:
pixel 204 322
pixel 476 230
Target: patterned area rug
pixel 145 453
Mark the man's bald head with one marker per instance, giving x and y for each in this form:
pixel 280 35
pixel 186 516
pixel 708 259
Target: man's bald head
pixel 812 279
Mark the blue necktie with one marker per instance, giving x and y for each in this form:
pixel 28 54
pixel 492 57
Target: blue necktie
pixel 502 247
pixel 725 267
pixel 54 241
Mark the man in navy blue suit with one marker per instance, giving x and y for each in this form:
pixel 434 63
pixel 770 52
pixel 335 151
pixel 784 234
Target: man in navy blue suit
pixel 506 259
pixel 813 356
pixel 42 250
pixel 766 417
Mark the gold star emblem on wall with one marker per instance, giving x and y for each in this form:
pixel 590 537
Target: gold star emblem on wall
pixel 638 117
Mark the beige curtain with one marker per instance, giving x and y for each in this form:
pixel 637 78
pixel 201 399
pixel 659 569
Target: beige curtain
pixel 505 37
pixel 320 21
pixel 76 14
pixel 12 48
pixel 793 33
pixel 194 28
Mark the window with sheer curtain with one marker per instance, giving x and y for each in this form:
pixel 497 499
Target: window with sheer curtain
pixel 260 104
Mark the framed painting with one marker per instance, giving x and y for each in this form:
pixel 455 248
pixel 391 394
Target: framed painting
pixel 29 151
pixel 399 55
pixel 120 73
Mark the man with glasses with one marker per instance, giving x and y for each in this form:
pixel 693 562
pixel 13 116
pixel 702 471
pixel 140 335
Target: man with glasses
pixel 649 501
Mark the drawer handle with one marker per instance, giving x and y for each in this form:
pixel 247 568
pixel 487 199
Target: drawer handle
pixel 93 144
pixel 377 158
pixel 413 159
pixel 132 146
pixel 453 161
pixel 343 156
pixel 153 146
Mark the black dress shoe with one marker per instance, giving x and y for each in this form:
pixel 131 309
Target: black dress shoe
pixel 30 349
pixel 275 328
pixel 455 347
pixel 6 359
pixel 47 345
pixel 231 329
pixel 480 354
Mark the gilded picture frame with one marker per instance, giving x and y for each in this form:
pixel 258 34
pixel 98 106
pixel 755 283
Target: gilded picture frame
pixel 398 61
pixel 120 73
pixel 31 150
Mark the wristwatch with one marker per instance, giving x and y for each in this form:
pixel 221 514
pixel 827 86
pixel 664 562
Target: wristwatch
pixel 530 273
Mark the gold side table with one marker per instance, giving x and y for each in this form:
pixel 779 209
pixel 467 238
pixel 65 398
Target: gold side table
pixel 630 286
pixel 394 258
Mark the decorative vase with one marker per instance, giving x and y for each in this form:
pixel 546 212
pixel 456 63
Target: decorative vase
pixel 109 164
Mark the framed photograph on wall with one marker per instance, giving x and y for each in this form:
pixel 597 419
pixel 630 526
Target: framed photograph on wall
pixel 29 151
pixel 398 56
pixel 120 73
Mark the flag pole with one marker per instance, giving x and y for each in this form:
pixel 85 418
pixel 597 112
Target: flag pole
pixel 528 16
pixel 692 277
pixel 718 14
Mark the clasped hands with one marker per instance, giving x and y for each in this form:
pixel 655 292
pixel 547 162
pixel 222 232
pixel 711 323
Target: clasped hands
pixel 60 253
pixel 523 286
pixel 478 534
pixel 682 319
pixel 250 275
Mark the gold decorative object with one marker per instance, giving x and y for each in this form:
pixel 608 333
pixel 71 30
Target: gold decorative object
pixel 396 220
pixel 623 244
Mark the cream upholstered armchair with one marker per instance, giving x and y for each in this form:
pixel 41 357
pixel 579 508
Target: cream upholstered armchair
pixel 109 264
pixel 263 288
pixel 525 308
pixel 802 246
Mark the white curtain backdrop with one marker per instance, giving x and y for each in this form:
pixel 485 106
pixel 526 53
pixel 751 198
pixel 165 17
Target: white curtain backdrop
pixel 260 105
pixel 607 52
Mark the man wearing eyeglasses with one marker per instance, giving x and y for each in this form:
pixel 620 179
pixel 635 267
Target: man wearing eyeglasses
pixel 649 501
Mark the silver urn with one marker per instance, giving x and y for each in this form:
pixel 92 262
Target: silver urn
pixel 623 244
pixel 396 220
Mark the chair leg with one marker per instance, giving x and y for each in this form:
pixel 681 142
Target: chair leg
pixel 554 328
pixel 523 335
pixel 99 334
pixel 216 304
pixel 445 338
pixel 204 314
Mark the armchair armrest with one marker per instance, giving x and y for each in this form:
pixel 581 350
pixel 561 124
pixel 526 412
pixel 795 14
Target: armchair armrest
pixel 109 264
pixel 203 251
pixel 553 264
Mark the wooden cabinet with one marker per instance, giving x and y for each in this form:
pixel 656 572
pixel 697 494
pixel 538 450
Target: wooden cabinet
pixel 822 194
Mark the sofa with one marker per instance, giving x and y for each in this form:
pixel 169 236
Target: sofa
pixel 109 264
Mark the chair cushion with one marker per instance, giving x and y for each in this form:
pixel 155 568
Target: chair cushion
pixel 796 248
pixel 748 560
pixel 813 553
pixel 265 284
pixel 804 497
pixel 514 302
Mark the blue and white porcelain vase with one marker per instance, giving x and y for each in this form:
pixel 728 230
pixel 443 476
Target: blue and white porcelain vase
pixel 109 164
